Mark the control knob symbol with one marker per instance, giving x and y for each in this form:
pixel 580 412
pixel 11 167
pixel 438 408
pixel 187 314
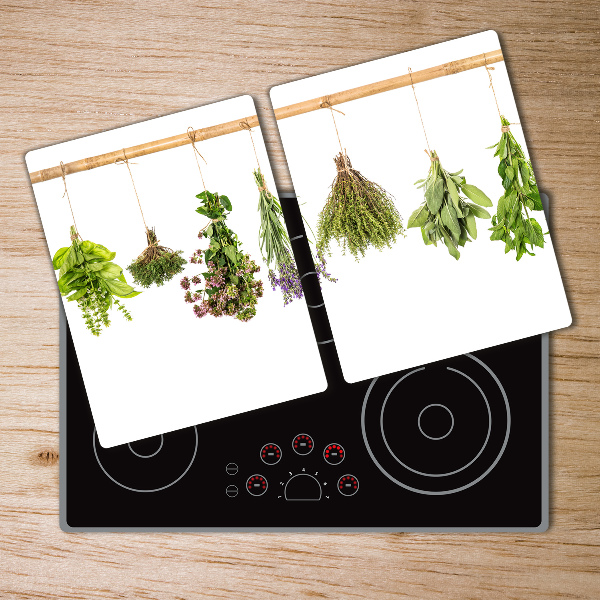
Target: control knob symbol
pixel 256 485
pixel 347 485
pixel 334 454
pixel 303 444
pixel 270 454
pixel 302 487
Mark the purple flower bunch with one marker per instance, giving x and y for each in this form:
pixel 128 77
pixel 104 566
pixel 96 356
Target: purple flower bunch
pixel 289 279
pixel 224 293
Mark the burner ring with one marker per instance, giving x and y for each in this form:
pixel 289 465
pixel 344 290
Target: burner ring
pixel 487 437
pixel 157 489
pixel 456 489
pixel 441 437
pixel 162 441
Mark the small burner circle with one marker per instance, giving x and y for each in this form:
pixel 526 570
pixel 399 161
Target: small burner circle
pixel 449 412
pixel 186 465
pixel 162 441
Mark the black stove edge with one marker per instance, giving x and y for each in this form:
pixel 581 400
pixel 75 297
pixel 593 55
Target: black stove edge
pixel 545 509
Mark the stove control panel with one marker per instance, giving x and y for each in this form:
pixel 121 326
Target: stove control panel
pixel 277 475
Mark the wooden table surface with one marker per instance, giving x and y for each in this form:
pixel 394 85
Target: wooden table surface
pixel 70 68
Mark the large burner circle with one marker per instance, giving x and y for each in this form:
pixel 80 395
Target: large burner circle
pixel 438 429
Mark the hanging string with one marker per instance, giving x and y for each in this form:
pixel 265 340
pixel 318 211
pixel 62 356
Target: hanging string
pixel 64 178
pixel 420 115
pixel 246 127
pixel 192 135
pixel 326 103
pixel 504 128
pixel 125 160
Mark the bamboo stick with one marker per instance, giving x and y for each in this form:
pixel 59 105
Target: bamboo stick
pixel 284 112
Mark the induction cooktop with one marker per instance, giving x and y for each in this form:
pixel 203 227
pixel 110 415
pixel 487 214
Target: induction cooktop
pixel 456 445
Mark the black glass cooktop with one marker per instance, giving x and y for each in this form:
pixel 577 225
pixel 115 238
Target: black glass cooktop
pixel 460 444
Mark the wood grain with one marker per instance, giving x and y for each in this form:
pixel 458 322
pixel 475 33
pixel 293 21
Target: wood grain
pixel 283 112
pixel 77 67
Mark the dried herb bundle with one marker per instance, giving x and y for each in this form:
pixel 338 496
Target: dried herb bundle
pixel 229 284
pixel 87 274
pixel 445 215
pixel 156 264
pixel 511 216
pixel 358 213
pixel 275 247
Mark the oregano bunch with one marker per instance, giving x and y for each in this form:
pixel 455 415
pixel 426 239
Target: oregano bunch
pixel 512 224
pixel 229 284
pixel 445 215
pixel 87 276
pixel 358 213
pixel 156 264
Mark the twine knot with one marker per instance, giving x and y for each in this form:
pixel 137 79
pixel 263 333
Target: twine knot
pixel 326 103
pixel 432 157
pixel 505 129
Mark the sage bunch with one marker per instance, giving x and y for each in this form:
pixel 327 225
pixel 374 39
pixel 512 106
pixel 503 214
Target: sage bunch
pixel 445 215
pixel 156 264
pixel 87 276
pixel 512 224
pixel 358 214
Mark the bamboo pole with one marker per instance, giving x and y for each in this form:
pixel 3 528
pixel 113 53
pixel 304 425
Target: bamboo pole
pixel 284 112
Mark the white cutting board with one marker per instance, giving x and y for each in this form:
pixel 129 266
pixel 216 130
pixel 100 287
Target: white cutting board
pixel 167 369
pixel 413 304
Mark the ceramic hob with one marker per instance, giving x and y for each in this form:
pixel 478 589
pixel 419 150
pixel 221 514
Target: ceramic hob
pixel 455 445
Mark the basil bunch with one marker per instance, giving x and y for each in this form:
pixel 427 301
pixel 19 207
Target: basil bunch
pixel 445 215
pixel 87 275
pixel 230 288
pixel 512 216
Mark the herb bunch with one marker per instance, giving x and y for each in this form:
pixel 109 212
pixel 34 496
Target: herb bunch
pixel 289 279
pixel 87 275
pixel 445 215
pixel 156 264
pixel 511 218
pixel 358 213
pixel 229 285
pixel 275 247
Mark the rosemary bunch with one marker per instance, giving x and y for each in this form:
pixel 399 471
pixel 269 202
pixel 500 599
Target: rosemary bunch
pixel 511 218
pixel 229 284
pixel 445 215
pixel 358 213
pixel 156 264
pixel 87 275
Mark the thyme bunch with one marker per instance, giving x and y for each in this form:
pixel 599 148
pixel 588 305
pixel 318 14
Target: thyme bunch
pixel 156 264
pixel 512 224
pixel 357 214
pixel 87 276
pixel 445 215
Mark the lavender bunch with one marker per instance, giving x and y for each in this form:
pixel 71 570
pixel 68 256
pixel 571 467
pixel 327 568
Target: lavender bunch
pixel 275 244
pixel 289 280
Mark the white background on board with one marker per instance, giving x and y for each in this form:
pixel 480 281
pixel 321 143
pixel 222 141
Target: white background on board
pixel 415 304
pixel 167 369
